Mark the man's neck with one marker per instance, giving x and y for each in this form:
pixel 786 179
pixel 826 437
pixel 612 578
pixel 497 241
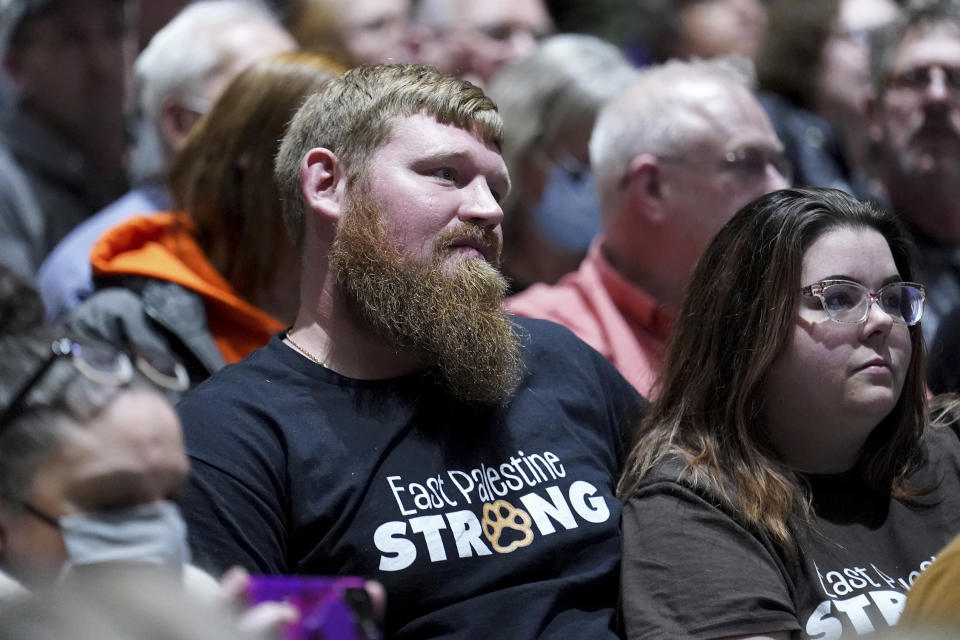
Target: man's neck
pixel 644 279
pixel 332 333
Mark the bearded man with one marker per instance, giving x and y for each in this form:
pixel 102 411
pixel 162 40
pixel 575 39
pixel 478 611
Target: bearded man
pixel 406 429
pixel 916 123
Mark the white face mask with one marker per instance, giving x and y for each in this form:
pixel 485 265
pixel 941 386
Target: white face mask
pixel 153 534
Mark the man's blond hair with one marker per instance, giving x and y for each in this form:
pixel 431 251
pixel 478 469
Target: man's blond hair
pixel 352 117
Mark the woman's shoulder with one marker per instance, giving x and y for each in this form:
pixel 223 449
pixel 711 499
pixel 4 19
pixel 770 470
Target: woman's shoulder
pixel 670 479
pixel 941 444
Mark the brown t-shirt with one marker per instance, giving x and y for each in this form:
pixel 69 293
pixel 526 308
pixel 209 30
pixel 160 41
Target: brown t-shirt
pixel 692 570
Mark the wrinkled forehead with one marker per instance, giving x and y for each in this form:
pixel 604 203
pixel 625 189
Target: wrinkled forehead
pixel 928 44
pixel 422 137
pixel 355 12
pixel 422 129
pixel 729 117
pixel 530 14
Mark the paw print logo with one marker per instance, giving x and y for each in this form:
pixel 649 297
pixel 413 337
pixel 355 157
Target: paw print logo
pixel 502 515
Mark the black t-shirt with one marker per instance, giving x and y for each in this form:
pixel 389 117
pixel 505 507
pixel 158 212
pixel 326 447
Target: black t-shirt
pixel 480 522
pixel 691 570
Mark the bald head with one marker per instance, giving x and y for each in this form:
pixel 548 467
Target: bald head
pixel 663 113
pixel 674 157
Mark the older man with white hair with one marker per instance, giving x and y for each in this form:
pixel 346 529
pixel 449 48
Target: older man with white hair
pixel 674 157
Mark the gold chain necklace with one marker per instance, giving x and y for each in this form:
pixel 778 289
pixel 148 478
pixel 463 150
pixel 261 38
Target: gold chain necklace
pixel 309 355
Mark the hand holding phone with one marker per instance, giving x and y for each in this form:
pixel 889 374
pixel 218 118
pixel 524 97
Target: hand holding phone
pixel 330 607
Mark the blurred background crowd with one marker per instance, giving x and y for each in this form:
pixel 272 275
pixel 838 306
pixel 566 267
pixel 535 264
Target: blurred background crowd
pixel 98 96
pixel 137 140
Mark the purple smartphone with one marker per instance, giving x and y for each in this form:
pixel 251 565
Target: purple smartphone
pixel 331 607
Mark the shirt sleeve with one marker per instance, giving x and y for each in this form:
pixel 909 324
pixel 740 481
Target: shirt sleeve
pixel 691 571
pixel 234 503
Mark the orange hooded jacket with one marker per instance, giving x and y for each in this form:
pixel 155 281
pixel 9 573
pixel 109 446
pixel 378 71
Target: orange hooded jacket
pixel 163 247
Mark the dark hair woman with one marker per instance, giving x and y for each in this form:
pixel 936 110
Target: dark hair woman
pixel 786 483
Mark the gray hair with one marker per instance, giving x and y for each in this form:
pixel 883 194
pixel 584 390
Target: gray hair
pixel 180 59
pixel 564 83
pixel 558 88
pixel 916 14
pixel 655 115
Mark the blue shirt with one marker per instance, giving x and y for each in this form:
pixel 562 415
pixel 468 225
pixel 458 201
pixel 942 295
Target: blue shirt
pixel 65 278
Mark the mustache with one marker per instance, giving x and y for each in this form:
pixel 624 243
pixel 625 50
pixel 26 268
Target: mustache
pixel 936 124
pixel 483 238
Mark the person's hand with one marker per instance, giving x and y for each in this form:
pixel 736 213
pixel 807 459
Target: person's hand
pixel 378 599
pixel 264 620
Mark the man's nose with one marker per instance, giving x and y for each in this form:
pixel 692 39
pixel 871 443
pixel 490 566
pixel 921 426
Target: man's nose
pixel 936 90
pixel 480 206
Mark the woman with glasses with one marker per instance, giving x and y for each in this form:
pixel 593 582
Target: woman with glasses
pixel 788 483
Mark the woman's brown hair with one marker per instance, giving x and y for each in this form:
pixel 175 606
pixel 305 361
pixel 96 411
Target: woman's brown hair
pixel 223 175
pixel 735 320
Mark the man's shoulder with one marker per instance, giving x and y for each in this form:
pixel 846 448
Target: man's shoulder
pixel 77 244
pixel 557 359
pixel 547 338
pixel 245 379
pixel 64 279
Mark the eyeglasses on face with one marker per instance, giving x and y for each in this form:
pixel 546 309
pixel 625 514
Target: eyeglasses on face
pixel 102 365
pixel 917 79
pixel 848 302
pixel 748 162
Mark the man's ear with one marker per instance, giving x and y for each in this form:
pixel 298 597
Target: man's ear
pixel 645 187
pixel 176 122
pixel 323 183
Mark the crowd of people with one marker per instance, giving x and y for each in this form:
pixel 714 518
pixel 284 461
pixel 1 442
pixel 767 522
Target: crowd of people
pixel 525 320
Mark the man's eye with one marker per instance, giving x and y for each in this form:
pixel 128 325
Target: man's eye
pixel 498 32
pixel 953 77
pixel 445 173
pixel 915 78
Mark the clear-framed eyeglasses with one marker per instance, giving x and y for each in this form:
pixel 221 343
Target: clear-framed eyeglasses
pixel 749 163
pixel 103 365
pixel 848 302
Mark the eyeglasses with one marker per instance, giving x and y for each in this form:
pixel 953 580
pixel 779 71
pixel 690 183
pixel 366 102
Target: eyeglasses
pixel 102 365
pixel 749 162
pixel 917 79
pixel 849 302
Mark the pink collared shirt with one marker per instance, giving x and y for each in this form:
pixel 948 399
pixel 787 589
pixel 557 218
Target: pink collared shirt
pixel 607 312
